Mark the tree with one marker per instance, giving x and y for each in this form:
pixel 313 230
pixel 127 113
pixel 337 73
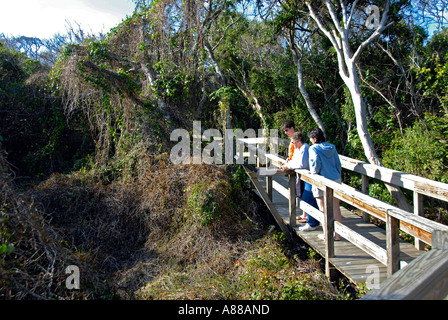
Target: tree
pixel 327 15
pixel 431 12
pixel 295 21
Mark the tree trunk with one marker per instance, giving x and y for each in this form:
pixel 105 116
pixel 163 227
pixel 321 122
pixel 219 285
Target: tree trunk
pixel 364 135
pixel 347 70
pixel 227 118
pixel 254 102
pixel 302 89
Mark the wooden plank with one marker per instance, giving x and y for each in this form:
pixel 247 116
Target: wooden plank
pixel 280 189
pixel 418 211
pixel 424 186
pixel 362 242
pixel 267 201
pixel 424 278
pixel 262 140
pixel 265 154
pixel 419 226
pixel 440 240
pixel 269 187
pixel 379 209
pixel 421 185
pixel 329 228
pixel 375 207
pixel 393 245
pixel 292 200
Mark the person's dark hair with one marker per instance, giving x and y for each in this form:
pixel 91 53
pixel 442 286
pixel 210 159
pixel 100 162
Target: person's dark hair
pixel 297 136
pixel 317 134
pixel 287 124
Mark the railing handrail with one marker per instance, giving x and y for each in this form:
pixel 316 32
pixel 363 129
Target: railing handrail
pixel 379 209
pixel 425 278
pixel 394 217
pixel 425 186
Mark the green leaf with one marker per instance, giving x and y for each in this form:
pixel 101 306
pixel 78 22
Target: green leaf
pixel 4 248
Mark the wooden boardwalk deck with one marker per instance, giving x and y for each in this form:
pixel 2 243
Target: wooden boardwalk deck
pixel 351 261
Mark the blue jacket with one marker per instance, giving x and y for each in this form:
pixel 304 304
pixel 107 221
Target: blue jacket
pixel 324 160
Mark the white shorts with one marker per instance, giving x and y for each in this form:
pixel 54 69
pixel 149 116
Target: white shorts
pixel 320 193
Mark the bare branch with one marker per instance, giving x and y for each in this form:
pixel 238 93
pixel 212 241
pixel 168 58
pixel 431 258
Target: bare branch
pixel 335 40
pixel 225 31
pixel 349 21
pixel 334 17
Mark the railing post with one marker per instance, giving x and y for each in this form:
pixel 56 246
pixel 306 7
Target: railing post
pixel 440 240
pixel 273 142
pixel 393 244
pixel 299 212
pixel 262 159
pixel 418 211
pixel 365 190
pixel 269 186
pixel 329 228
pixel 292 200
pixel 268 179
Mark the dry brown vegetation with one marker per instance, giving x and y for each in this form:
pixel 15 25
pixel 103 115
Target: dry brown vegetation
pixel 170 232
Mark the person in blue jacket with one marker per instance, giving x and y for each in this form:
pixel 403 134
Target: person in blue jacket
pixel 324 160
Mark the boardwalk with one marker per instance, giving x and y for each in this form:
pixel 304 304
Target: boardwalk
pixel 351 261
pixel 367 255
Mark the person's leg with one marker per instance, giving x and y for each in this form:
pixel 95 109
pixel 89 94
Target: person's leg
pixel 320 203
pixel 336 210
pixel 299 192
pixel 308 197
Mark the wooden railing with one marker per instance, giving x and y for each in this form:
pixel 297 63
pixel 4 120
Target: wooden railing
pixel 414 224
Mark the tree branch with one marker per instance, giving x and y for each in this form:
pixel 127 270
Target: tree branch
pixel 335 40
pixel 349 21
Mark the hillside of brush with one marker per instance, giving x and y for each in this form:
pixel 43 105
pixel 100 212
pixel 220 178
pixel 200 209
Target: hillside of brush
pixel 170 232
pixel 86 181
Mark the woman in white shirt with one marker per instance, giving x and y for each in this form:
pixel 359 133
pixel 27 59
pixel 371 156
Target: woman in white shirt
pixel 300 160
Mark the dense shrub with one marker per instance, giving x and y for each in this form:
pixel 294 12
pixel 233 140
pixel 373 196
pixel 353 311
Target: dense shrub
pixel 422 150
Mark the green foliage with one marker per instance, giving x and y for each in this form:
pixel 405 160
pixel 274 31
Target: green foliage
pixel 422 150
pixel 167 85
pixel 269 274
pixel 201 202
pixel 5 235
pixel 433 74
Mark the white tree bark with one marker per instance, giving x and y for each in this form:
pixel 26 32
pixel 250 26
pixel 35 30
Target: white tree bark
pixel 302 89
pixel 347 70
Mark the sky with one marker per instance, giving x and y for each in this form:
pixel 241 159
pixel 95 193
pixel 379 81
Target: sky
pixel 44 18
